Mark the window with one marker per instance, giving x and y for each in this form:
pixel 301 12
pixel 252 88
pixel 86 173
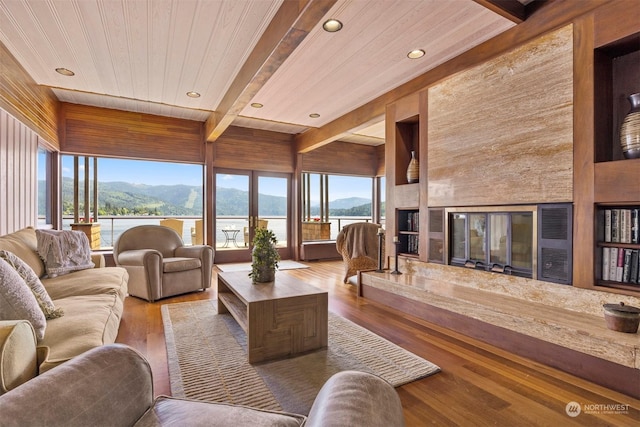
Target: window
pixel 332 201
pixel 495 241
pixel 129 193
pixel 44 187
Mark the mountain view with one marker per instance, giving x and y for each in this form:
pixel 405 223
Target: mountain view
pixel 123 198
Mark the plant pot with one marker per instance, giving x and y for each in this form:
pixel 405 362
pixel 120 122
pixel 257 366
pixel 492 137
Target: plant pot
pixel 622 318
pixel 264 275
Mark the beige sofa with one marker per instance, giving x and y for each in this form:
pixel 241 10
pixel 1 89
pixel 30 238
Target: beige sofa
pixel 112 386
pixel 92 300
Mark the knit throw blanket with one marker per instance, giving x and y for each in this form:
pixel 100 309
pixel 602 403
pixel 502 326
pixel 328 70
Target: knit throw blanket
pixel 64 251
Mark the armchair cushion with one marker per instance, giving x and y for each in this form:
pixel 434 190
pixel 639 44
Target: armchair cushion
pixel 168 411
pixel 170 265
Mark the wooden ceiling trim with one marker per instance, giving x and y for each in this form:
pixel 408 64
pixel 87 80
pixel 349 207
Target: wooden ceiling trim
pixel 291 24
pixel 548 16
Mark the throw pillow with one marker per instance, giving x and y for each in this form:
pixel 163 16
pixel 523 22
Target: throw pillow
pixel 64 251
pixel 33 282
pixel 17 302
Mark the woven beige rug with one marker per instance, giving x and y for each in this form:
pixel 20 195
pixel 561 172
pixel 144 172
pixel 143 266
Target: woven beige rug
pixel 207 361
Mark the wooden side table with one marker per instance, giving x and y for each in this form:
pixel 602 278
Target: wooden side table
pixel 92 230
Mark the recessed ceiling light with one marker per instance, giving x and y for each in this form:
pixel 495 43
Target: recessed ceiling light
pixel 65 72
pixel 314 115
pixel 256 105
pixel 332 25
pixel 415 54
pixel 193 94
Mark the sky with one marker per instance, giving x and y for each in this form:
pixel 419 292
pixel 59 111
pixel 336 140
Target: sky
pixel 164 173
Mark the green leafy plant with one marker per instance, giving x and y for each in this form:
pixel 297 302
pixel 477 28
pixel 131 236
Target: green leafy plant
pixel 265 256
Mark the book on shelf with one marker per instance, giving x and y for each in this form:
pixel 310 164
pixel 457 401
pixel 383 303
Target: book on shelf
pixel 412 244
pixel 626 266
pixel 634 276
pixel 635 225
pixel 622 225
pixel 413 221
pixel 613 264
pixel 621 265
pixel 607 225
pixel 619 268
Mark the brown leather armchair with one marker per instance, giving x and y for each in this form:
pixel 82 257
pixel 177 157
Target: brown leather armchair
pixel 358 245
pixel 159 264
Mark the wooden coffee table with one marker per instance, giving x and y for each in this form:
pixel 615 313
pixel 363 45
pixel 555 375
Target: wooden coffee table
pixel 281 318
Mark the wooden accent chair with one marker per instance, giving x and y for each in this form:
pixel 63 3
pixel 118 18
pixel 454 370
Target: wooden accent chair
pixel 262 223
pixel 175 224
pixel 197 236
pixel 358 245
pixel 160 265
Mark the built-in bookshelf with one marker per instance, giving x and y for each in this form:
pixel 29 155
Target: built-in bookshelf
pixel 616 190
pixel 409 232
pixel 618 246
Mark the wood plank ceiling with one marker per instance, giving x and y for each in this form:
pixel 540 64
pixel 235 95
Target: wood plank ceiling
pixel 145 55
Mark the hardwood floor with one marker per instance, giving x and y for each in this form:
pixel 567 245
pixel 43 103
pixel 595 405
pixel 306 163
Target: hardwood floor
pixel 479 384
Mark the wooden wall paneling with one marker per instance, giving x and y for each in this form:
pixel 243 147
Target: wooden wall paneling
pixel 342 158
pixel 583 154
pixel 35 106
pixel 114 133
pixel 423 158
pixel 380 155
pixel 617 182
pixel 18 174
pixel 619 19
pixel 244 148
pixel 502 132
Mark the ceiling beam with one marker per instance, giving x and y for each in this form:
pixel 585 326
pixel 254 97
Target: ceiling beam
pixel 513 10
pixel 288 28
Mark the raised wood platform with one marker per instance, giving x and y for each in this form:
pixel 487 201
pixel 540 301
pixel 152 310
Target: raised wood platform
pixel 539 323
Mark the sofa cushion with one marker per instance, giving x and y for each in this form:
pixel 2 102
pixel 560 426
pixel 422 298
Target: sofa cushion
pixel 96 281
pixel 172 411
pixel 44 300
pixel 18 357
pixel 89 321
pixel 17 302
pixel 63 251
pixel 24 244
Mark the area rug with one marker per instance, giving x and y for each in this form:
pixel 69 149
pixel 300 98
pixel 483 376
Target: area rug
pixel 246 266
pixel 207 360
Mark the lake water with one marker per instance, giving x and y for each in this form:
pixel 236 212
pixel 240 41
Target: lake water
pixel 112 227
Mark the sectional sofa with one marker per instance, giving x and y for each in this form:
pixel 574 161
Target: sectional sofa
pixel 91 301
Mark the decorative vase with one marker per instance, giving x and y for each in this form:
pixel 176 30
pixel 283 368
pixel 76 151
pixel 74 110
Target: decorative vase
pixel 413 171
pixel 630 129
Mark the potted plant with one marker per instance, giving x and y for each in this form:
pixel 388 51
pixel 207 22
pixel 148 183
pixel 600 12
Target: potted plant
pixel 264 256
